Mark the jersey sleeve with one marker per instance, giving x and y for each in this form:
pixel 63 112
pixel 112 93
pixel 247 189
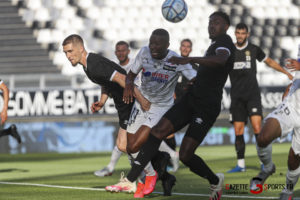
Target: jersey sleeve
pixel 136 66
pixel 260 55
pixel 187 70
pixel 224 43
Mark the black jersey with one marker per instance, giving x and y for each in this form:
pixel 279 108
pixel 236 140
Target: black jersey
pixel 207 89
pixel 99 70
pixel 243 76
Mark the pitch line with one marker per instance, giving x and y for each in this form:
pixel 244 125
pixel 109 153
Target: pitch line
pixel 102 189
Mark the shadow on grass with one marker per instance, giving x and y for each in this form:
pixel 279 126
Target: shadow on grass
pixel 13 170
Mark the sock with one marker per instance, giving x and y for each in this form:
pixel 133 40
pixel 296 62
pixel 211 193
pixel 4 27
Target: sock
pixel 116 154
pixel 4 132
pixel 265 156
pixel 148 170
pixel 164 147
pixel 171 142
pixel 142 178
pixel 240 146
pixel 160 162
pixel 147 152
pixel 292 177
pixel 198 166
pixel 241 163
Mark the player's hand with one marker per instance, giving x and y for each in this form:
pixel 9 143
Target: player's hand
pixel 292 64
pixel 179 60
pixel 96 106
pixel 128 93
pixel 3 116
pixel 145 104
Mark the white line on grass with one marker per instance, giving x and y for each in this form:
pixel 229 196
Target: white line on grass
pixel 102 189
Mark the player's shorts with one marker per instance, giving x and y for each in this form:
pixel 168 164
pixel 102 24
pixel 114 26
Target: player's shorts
pixel 240 109
pixel 149 118
pixel 124 111
pixel 289 121
pixel 183 113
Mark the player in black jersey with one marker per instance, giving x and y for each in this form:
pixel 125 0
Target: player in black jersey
pixel 245 92
pixel 12 130
pixel 199 107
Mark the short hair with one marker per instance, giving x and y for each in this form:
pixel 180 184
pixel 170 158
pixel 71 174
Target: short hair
pixel 122 43
pixel 187 40
pixel 223 15
pixel 162 32
pixel 241 26
pixel 74 38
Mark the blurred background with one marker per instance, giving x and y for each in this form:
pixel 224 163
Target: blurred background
pixel 50 99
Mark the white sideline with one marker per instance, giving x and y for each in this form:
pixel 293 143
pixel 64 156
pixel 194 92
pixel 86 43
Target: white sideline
pixel 102 189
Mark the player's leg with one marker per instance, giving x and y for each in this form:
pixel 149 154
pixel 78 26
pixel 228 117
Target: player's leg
pixel 121 143
pixel 238 116
pixel 292 175
pixel 174 155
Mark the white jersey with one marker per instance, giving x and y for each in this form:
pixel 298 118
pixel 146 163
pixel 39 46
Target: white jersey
pixel 159 77
pixel 293 97
pixel 137 80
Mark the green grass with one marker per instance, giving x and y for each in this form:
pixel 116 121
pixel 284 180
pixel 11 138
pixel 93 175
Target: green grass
pixel 76 170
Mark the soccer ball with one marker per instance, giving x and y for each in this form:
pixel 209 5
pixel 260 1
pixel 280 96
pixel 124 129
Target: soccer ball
pixel 174 10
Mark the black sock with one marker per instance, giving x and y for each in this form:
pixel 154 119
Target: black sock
pixel 171 143
pixel 160 162
pixel 256 135
pixel 240 146
pixel 198 166
pixel 147 152
pixel 4 132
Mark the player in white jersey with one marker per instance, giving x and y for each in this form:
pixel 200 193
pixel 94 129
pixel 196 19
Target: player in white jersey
pixel 283 120
pixel 159 79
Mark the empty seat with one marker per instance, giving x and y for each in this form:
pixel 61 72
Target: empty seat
pixel 259 21
pixel 266 42
pixel 269 30
pixel 271 21
pixel 254 40
pixel 257 30
pixel 275 53
pixel 293 31
pixel 280 30
pixel 282 22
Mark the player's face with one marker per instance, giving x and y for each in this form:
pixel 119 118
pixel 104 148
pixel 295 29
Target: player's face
pixel 73 53
pixel 158 46
pixel 122 52
pixel 241 36
pixel 216 26
pixel 185 48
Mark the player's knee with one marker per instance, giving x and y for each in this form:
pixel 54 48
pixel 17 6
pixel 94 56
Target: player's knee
pixel 262 141
pixel 121 147
pixel 157 132
pixel 184 156
pixel 133 148
pixel 256 128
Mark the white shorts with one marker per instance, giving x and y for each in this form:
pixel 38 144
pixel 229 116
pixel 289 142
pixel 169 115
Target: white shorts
pixel 289 121
pixel 149 118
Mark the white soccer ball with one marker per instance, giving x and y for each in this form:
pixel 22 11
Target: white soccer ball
pixel 174 10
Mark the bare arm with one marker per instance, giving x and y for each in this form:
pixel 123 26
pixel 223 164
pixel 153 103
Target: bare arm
pixel 5 91
pixel 130 90
pixel 96 106
pixel 292 64
pixel 271 63
pixel 218 60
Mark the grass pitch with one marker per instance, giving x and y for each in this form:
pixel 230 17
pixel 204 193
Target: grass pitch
pixel 70 176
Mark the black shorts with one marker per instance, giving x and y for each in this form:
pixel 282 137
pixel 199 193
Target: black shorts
pixel 241 109
pixel 124 111
pixel 183 113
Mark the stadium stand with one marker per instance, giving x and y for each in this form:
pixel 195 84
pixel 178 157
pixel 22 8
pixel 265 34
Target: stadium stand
pixel 103 22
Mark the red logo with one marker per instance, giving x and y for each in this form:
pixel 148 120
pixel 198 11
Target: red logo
pixel 257 191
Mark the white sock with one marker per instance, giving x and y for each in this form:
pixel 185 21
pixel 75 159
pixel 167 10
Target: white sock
pixel 241 163
pixel 115 155
pixel 165 148
pixel 149 171
pixel 292 177
pixel 265 156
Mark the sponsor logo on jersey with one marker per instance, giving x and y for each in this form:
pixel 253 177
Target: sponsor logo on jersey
pixel 198 120
pixel 169 67
pixel 158 77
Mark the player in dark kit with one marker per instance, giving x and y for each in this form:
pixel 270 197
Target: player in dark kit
pixel 245 93
pixel 111 77
pixel 199 107
pixel 12 130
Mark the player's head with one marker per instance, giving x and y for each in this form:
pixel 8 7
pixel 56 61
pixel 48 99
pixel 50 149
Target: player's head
pixel 185 47
pixel 73 47
pixel 122 51
pixel 241 34
pixel 159 43
pixel 219 23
